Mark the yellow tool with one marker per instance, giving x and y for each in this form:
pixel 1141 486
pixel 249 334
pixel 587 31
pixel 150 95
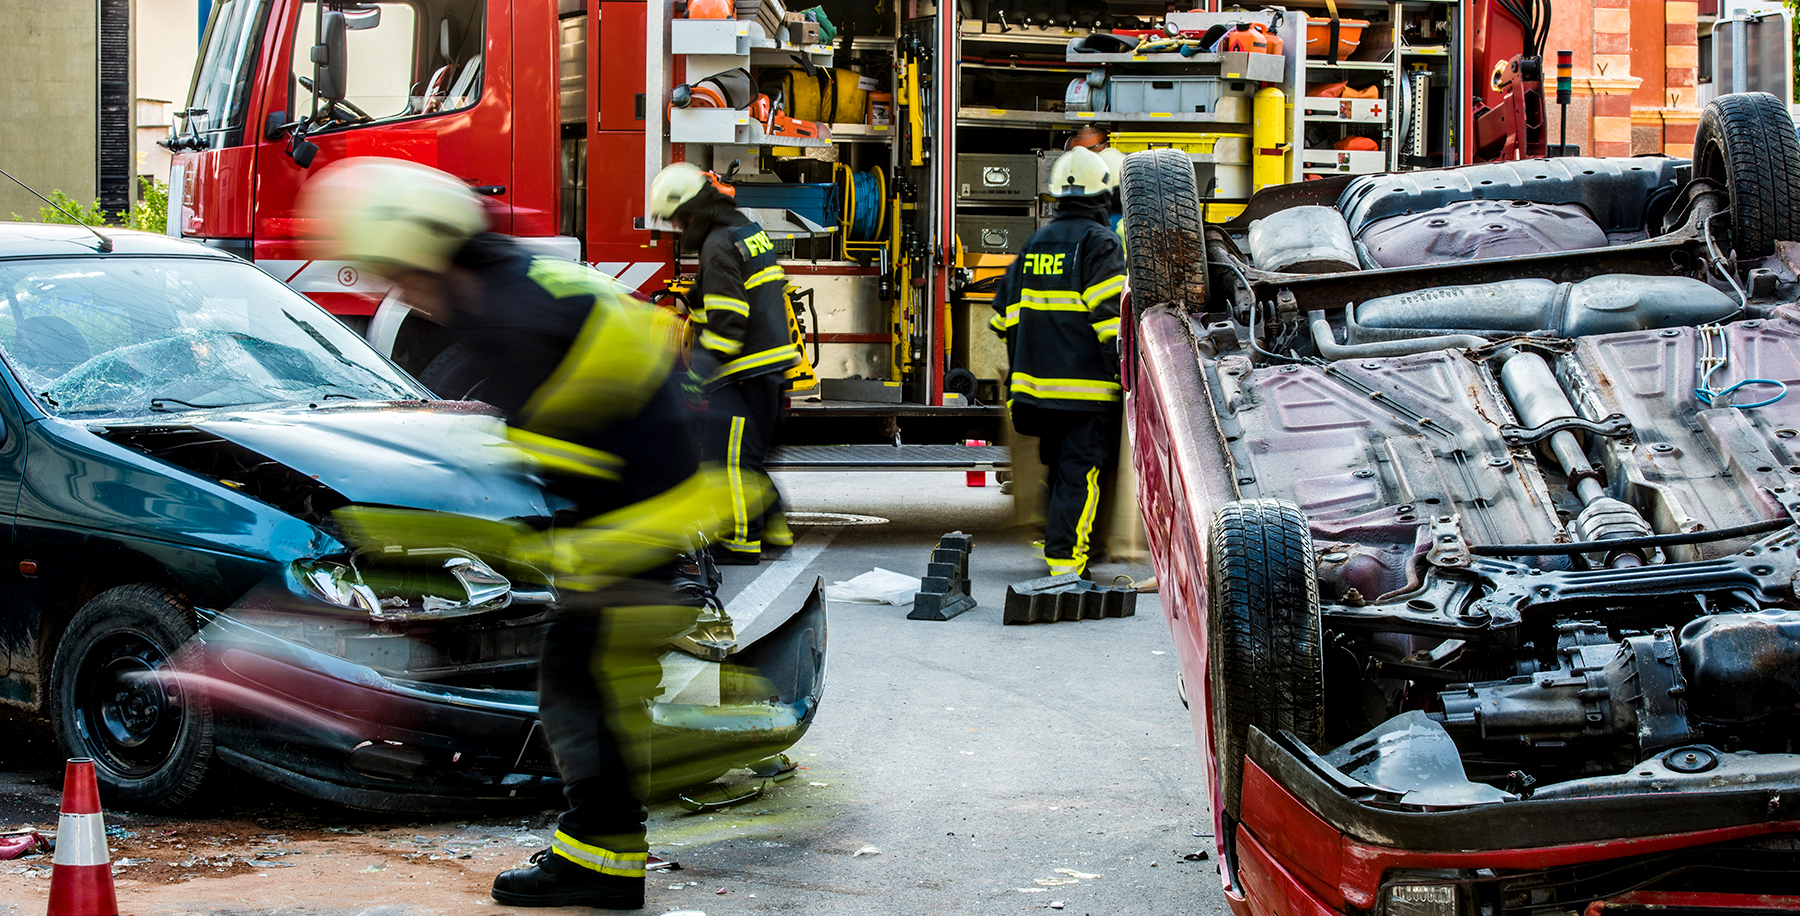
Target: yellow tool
pixel 801 376
pixel 915 112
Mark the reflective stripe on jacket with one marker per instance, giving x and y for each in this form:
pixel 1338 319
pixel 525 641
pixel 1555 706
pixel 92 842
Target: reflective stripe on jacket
pixel 1058 308
pixel 742 307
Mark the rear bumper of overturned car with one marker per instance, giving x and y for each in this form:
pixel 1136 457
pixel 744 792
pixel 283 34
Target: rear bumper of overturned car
pixel 344 732
pixel 1304 845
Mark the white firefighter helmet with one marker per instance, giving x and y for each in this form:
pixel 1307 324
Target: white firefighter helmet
pixel 1080 172
pixel 1115 166
pixel 675 185
pixel 392 215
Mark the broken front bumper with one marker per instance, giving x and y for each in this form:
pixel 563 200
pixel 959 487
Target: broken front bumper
pixel 346 733
pixel 1306 844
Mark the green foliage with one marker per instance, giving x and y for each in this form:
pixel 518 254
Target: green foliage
pixel 75 212
pixel 1793 7
pixel 149 214
pixel 152 211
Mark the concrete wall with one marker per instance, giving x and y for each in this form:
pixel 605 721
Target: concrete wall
pixel 51 107
pixel 167 42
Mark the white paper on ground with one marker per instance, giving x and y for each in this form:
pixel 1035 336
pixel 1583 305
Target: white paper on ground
pixel 877 586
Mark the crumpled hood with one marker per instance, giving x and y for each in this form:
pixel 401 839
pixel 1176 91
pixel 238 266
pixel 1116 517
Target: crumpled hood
pixel 444 456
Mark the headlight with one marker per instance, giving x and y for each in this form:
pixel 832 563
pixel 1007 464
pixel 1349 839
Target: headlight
pixel 418 584
pixel 1421 900
pixel 337 583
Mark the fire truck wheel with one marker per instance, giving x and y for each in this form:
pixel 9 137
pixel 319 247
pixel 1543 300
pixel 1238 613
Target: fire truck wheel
pixel 149 734
pixel 1746 142
pixel 1266 663
pixel 454 374
pixel 1165 232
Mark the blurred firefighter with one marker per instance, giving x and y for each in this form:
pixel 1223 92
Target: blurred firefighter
pixel 742 349
pixel 582 372
pixel 1058 309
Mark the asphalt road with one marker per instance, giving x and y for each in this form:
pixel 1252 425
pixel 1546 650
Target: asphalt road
pixel 957 767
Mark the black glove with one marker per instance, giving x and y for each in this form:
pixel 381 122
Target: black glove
pixel 702 366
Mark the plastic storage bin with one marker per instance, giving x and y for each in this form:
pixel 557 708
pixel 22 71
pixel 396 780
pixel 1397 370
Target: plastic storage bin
pixel 1166 94
pixel 816 202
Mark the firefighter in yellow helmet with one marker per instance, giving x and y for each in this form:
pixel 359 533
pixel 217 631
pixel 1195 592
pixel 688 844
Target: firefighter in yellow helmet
pixel 742 350
pixel 1058 308
pixel 582 372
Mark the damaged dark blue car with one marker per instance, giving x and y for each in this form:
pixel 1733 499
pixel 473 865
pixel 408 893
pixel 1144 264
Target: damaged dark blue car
pixel 178 428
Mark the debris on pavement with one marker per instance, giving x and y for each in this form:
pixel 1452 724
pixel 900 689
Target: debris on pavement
pixel 1056 904
pixel 1196 856
pixel 12 847
pixel 944 592
pixel 877 586
pixel 1066 597
pixel 717 795
pixel 866 851
pixel 1077 875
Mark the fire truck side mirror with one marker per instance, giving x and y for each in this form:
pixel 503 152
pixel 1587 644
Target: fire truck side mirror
pixel 330 58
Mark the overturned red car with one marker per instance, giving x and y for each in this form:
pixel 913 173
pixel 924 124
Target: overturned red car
pixel 1473 493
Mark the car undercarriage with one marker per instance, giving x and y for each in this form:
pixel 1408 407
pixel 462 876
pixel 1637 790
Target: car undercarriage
pixel 1479 487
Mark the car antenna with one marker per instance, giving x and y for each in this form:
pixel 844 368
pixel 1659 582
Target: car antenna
pixel 105 243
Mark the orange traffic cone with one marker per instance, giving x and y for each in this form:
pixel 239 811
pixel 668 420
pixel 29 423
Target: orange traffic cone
pixel 81 882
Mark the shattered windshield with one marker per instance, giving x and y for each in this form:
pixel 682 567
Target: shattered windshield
pixel 134 336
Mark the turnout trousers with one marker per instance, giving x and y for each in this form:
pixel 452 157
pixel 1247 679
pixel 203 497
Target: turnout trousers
pixel 1075 447
pixel 739 430
pixel 599 667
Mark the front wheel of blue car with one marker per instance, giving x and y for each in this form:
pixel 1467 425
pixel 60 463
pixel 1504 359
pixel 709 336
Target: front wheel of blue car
pixel 119 697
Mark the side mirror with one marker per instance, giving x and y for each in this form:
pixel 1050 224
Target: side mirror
pixel 360 16
pixel 330 58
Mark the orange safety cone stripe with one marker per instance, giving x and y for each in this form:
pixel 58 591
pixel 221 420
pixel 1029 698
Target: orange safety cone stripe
pixel 81 882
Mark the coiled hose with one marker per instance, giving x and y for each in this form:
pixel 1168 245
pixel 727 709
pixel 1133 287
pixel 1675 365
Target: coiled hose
pixel 865 196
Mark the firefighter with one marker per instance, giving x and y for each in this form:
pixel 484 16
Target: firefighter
pixel 582 371
pixel 742 350
pixel 1058 309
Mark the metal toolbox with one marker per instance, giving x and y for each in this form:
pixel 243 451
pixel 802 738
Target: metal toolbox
pixel 997 177
pixel 1163 94
pixel 993 234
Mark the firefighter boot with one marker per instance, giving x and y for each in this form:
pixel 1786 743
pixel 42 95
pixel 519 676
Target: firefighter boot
pixel 554 881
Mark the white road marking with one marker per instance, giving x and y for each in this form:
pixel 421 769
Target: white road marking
pixel 681 670
pixel 746 606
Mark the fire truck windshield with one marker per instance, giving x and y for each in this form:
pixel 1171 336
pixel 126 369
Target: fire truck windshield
pixel 220 93
pixel 404 59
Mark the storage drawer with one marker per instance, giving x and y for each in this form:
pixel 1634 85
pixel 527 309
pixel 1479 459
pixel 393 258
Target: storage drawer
pixel 1167 94
pixel 1363 110
pixel 1344 162
pixel 1007 177
pixel 816 202
pixel 980 232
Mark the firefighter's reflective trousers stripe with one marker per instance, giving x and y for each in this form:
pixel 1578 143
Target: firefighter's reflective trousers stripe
pixel 740 427
pixel 1074 447
pixel 599 668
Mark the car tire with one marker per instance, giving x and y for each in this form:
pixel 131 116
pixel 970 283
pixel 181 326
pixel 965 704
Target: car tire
pixel 455 374
pixel 1746 142
pixel 1266 665
pixel 151 739
pixel 1165 230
